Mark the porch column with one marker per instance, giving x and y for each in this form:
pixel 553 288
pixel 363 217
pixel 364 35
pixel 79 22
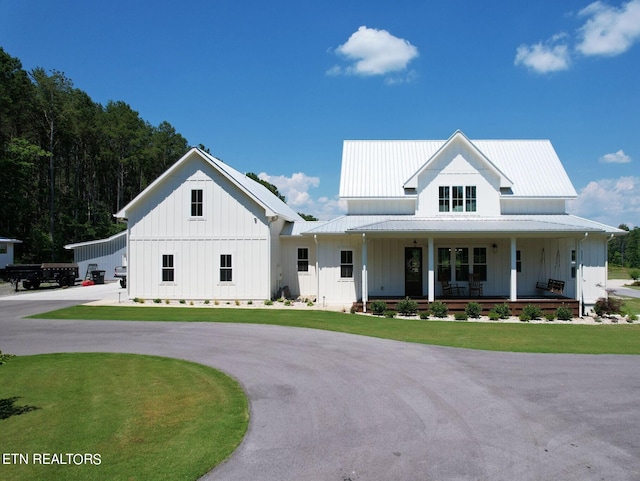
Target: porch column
pixel 431 284
pixel 365 280
pixel 513 289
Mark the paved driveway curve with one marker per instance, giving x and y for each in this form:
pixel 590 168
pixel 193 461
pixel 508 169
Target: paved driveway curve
pixel 330 406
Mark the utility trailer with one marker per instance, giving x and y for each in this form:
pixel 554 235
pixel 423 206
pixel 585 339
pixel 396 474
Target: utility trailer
pixel 32 275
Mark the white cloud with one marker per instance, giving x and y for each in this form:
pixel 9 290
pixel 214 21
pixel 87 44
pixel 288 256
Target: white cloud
pixel 609 30
pixel 610 201
pixel 550 56
pixel 618 157
pixel 374 52
pixel 294 188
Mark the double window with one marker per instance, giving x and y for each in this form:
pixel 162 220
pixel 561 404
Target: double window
pixel 226 269
pixel 346 264
pixel 303 259
pixel 455 264
pixel 167 268
pixel 196 203
pixel 457 198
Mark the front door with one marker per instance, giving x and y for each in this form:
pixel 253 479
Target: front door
pixel 413 271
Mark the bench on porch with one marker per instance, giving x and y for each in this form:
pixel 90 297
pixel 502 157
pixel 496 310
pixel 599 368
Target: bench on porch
pixel 552 285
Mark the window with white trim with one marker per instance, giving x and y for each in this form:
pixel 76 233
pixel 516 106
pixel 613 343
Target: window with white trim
pixel 480 263
pixel 457 198
pixel 346 264
pixel 226 269
pixel 167 268
pixel 303 259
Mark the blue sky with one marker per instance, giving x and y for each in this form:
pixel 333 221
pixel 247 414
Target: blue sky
pixel 275 87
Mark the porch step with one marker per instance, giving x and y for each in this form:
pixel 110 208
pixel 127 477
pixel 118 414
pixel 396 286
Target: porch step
pixel 459 304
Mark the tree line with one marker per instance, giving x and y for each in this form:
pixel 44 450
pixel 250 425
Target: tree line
pixel 625 250
pixel 69 163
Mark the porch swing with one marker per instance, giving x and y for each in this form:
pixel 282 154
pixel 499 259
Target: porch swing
pixel 551 285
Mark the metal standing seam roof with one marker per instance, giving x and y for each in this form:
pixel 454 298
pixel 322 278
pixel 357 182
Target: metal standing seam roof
pixel 97 241
pixel 558 223
pixel 379 168
pixel 6 240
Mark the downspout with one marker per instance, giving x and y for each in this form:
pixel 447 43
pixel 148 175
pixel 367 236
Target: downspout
pixel 315 239
pixel 272 219
pixel 581 277
pixel 365 280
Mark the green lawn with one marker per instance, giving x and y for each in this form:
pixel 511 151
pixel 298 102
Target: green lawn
pixel 518 337
pixel 145 417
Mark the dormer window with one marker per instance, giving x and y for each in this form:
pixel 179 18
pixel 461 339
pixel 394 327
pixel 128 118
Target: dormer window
pixel 457 198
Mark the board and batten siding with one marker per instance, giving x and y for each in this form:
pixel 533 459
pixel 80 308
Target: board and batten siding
pixel 232 224
pixel 301 284
pixel 458 171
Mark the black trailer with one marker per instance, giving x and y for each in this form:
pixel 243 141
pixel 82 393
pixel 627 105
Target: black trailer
pixel 32 275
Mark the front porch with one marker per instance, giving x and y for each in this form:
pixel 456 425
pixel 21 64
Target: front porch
pixel 458 304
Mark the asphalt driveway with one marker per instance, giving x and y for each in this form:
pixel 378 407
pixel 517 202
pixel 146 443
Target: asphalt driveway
pixel 330 406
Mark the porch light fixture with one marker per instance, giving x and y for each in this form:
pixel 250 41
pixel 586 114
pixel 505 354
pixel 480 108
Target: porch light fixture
pixel 495 248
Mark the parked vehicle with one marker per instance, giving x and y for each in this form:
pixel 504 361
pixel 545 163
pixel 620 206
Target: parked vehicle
pixel 32 275
pixel 121 273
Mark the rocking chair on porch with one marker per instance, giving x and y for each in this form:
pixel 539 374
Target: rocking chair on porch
pixel 475 285
pixel 449 289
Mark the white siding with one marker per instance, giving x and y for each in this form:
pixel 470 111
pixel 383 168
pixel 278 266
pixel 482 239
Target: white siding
pixel 381 206
pixel 594 274
pixel 232 223
pixel 458 168
pixel 302 284
pixel 334 289
pixel 532 206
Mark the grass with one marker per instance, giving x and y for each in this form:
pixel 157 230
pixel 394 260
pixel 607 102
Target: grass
pixel 146 417
pixel 546 338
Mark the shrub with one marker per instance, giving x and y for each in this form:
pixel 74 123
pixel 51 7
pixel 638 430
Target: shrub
pixel 378 307
pixel 216 302
pixel 634 274
pixel 473 310
pixel 237 302
pixel 532 312
pixel 249 302
pixel 287 302
pixel 439 309
pixel 156 301
pixel 191 303
pixel 550 316
pixel 167 301
pixel 407 307
pixel 309 304
pixel 460 316
pixel 503 310
pixel 268 302
pixel 524 317
pixel 564 313
pixel 206 301
pixel 424 315
pixel 607 305
pixel 353 309
pixel 390 313
pixel 493 315
pixel 182 301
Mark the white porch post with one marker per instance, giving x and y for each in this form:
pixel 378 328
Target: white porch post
pixel 431 276
pixel 365 280
pixel 513 289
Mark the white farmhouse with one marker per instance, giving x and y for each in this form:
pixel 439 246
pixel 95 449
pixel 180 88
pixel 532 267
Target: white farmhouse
pixel 425 219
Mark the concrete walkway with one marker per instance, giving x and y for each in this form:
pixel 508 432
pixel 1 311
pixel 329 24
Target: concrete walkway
pixel 331 406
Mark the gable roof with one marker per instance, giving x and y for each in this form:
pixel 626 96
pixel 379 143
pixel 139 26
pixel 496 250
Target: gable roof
pixel 459 137
pixel 382 168
pixel 255 190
